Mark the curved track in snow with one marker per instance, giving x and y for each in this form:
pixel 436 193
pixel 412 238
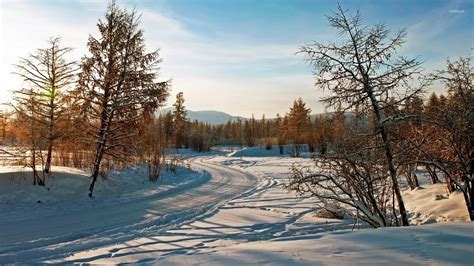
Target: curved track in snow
pixel 55 236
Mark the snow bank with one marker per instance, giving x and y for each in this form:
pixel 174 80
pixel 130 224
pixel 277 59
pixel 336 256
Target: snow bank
pixel 439 244
pixel 269 225
pixel 288 150
pixel 431 203
pixel 69 184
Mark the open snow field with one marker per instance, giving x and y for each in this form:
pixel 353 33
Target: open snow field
pixel 226 210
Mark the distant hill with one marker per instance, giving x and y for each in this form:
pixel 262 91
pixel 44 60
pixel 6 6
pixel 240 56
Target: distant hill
pixel 348 116
pixel 206 116
pixel 217 117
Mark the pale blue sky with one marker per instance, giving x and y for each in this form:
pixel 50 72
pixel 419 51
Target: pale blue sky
pixel 233 55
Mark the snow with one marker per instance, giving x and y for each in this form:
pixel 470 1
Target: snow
pixel 239 213
pixel 274 151
pixel 68 185
pixel 443 244
pixel 431 203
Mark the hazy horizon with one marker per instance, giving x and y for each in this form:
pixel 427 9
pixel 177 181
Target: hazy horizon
pixel 237 57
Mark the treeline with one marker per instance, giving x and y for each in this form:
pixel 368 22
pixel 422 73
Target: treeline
pixel 297 128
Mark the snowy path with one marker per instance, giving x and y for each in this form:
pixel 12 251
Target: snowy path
pixel 263 213
pixel 53 236
pixel 238 214
pixel 270 226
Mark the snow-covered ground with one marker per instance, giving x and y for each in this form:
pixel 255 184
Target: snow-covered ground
pixel 437 244
pixel 36 232
pixel 239 213
pixel 70 185
pixel 274 151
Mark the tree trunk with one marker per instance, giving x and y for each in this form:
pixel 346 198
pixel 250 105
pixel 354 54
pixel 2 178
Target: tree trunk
pixel 469 197
pixel 50 137
pixel 412 179
pixel 415 179
pixel 449 183
pixel 47 166
pixel 410 182
pixel 104 128
pixel 433 175
pixel 471 187
pixel 33 166
pixel 95 171
pixel 52 96
pixel 388 154
pixel 393 175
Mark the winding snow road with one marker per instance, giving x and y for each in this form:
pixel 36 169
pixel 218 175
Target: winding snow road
pixel 58 235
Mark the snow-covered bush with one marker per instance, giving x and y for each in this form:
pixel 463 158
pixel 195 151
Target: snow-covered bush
pixel 357 183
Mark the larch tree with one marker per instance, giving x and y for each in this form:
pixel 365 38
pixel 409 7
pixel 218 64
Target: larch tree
pixel 49 76
pixel 249 131
pixel 407 132
pixel 363 70
pixel 118 85
pixel 180 120
pixel 266 127
pixel 26 124
pixel 3 124
pixel 454 118
pixel 434 147
pixel 279 132
pixel 298 123
pixel 153 145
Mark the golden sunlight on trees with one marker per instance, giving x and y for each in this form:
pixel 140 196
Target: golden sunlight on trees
pixel 450 126
pixel 180 120
pixel 363 71
pixel 382 130
pixel 44 100
pixel 118 85
pixel 296 125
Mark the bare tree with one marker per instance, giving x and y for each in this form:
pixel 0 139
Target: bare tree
pixel 362 71
pixel 27 131
pixel 153 147
pixel 118 85
pixel 452 152
pixel 3 124
pixel 352 184
pixel 49 76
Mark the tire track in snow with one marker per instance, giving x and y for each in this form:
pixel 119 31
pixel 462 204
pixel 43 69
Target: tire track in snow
pixel 129 221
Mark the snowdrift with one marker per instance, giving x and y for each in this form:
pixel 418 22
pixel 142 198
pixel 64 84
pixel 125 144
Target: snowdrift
pixel 431 203
pixel 69 184
pixel 288 151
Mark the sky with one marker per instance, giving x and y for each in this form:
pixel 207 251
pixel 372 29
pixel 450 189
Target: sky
pixel 236 56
